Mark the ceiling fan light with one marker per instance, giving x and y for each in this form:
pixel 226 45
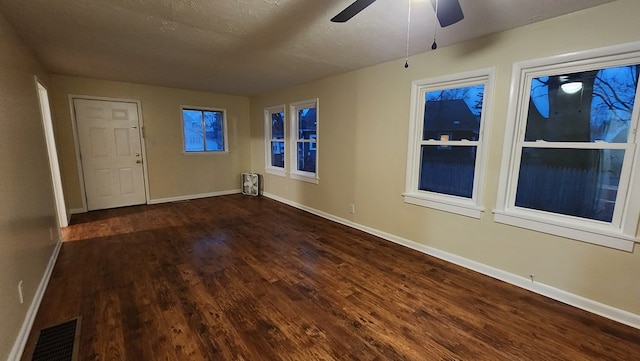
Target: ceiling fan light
pixel 572 87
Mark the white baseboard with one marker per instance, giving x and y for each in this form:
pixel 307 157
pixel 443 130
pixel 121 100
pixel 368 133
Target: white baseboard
pixel 589 305
pixel 193 196
pixel 174 199
pixel 23 336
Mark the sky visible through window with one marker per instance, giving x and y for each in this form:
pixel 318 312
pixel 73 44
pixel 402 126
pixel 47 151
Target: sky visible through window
pixel 472 96
pixel 612 99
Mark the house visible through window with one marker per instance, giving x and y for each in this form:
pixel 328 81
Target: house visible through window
pixel 274 140
pixel 573 156
pixel 304 140
pixel 452 118
pixel 446 162
pixel 204 130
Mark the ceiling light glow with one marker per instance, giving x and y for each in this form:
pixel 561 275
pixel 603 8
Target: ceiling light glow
pixel 571 88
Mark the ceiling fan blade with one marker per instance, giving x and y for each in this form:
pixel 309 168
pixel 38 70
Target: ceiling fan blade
pixel 449 11
pixel 351 10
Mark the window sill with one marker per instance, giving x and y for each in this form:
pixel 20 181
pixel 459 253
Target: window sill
pixel 603 236
pixel 213 152
pixel 276 171
pixel 461 207
pixel 305 177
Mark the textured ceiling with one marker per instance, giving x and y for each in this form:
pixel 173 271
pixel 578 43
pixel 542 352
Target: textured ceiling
pixel 245 47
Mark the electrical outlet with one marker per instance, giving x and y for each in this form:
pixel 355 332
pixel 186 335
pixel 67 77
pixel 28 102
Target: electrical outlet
pixel 21 291
pixel 352 208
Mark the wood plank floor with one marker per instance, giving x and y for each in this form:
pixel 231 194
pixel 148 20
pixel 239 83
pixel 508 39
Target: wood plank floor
pixel 243 278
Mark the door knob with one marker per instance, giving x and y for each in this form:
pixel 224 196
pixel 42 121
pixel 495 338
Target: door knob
pixel 138 161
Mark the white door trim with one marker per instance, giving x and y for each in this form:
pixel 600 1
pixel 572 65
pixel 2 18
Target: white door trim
pixel 54 165
pixel 76 142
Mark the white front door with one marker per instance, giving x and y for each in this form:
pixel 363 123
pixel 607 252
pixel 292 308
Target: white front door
pixel 110 151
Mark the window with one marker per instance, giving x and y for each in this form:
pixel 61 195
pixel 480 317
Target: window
pixel 571 147
pixel 274 140
pixel 304 140
pixel 446 156
pixel 204 130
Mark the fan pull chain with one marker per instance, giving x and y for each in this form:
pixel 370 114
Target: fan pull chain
pixel 434 46
pixel 406 61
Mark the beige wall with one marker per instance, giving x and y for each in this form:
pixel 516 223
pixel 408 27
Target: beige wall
pixel 27 209
pixel 171 172
pixel 364 117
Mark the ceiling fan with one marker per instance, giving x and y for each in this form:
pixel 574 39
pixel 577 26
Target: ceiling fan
pixel 448 11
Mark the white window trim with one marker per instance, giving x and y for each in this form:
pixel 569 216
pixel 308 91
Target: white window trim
pixel 621 232
pixel 224 125
pixel 472 207
pixel 270 169
pixel 294 173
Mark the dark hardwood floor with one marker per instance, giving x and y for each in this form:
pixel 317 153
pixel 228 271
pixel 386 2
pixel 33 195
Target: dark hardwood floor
pixel 243 278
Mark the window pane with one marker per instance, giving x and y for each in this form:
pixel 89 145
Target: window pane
pixel 215 133
pixel 277 154
pixel 307 123
pixel 192 125
pixel 306 157
pixel 277 125
pixel 583 107
pixel 454 112
pixel 575 182
pixel 447 170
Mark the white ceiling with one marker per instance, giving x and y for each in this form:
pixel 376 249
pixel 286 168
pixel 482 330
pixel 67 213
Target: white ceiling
pixel 246 47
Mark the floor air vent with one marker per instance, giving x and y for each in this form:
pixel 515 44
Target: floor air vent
pixel 59 342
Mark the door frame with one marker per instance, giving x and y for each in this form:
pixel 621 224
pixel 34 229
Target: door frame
pixel 76 143
pixel 44 103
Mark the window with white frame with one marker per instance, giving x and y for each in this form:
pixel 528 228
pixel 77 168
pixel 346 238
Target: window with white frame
pixel 446 155
pixel 204 130
pixel 571 147
pixel 304 140
pixel 274 130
